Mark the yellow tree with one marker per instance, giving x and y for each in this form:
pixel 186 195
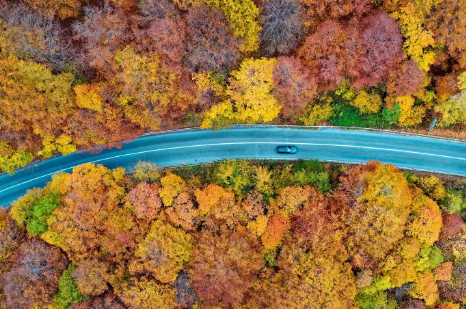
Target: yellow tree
pixel 418 41
pixel 250 95
pixel 34 101
pixel 163 253
pixel 147 88
pixel 172 185
pixel 144 293
pixel 243 18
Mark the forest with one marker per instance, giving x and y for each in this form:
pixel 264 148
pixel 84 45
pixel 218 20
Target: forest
pixel 238 235
pixel 76 74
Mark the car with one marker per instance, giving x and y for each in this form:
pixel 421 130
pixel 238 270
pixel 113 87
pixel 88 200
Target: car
pixel 287 149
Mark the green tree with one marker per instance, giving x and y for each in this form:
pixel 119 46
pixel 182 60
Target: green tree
pixel 68 293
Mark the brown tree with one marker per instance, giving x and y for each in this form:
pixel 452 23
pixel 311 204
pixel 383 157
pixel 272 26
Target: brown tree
pixel 319 11
pixel 224 266
pixel 34 36
pixel 91 277
pixel 282 26
pixel 32 279
pixel 11 236
pixel 210 43
pixel 448 23
pixel 100 34
pixel 455 289
pixel 107 301
pixel 160 29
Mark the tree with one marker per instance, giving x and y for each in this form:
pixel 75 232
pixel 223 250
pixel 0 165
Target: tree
pixel 452 225
pixel 172 185
pixel 88 96
pixel 223 267
pixel 452 109
pixel 324 53
pixel 290 199
pixel 146 172
pixel 109 127
pixel 145 200
pixel 250 91
pixel 379 203
pixel 32 279
pixel 378 50
pixel 238 175
pixel 11 236
pixel 185 296
pixel 61 8
pixel 107 301
pixel 211 196
pixel 157 9
pixel 161 29
pixel 294 86
pixel 68 293
pixel 406 79
pixel 33 211
pixel 40 109
pixel 218 207
pixel 34 36
pixel 102 32
pixel 277 227
pixel 210 43
pixel 182 213
pixel 418 41
pixel 308 279
pixel 367 102
pixel 319 226
pixel 144 293
pixel 242 15
pixel 11 160
pixel 163 253
pixel 90 220
pixel 319 11
pixel 147 89
pixel 448 23
pixel 91 277
pixel 282 26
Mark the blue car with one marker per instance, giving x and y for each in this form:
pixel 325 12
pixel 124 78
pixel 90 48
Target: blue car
pixel 287 149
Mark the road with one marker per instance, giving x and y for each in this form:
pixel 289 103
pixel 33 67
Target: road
pixel 202 146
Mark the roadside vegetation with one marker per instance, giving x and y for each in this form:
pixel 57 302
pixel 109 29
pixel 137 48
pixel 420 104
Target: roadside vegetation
pixel 236 234
pixel 75 74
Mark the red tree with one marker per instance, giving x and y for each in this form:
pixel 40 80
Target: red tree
pixel 294 86
pixel 102 32
pixel 145 200
pixel 324 52
pixel 406 79
pixel 378 50
pixel 223 267
pixel 210 42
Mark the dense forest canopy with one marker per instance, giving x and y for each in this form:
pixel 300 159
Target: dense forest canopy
pixel 76 74
pixel 236 234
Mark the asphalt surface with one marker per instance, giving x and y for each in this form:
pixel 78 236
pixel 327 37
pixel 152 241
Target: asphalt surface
pixel 202 146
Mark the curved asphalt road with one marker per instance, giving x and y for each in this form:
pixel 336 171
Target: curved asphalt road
pixel 202 146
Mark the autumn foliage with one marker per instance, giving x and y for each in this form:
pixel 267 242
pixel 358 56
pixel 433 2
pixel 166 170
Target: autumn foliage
pixel 103 72
pixel 235 234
